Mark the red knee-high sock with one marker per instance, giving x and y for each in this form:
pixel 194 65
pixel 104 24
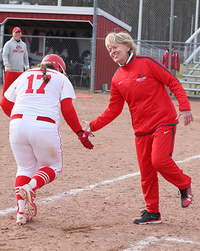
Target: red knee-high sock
pixel 43 176
pixel 19 182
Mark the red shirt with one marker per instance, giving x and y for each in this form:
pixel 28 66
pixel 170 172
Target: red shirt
pixel 141 83
pixel 175 60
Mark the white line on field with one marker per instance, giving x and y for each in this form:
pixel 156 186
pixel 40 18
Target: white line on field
pixel 87 188
pixel 74 191
pixel 152 240
pixel 188 159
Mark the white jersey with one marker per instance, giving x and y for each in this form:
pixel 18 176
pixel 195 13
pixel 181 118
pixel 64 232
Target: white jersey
pixel 33 97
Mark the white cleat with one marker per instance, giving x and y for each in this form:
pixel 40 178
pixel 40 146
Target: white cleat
pixel 28 195
pixel 22 218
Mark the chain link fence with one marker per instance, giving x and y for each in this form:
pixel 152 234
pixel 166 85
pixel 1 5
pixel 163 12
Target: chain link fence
pixel 155 32
pixel 75 51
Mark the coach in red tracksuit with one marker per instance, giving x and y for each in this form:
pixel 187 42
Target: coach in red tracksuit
pixel 141 81
pixel 175 60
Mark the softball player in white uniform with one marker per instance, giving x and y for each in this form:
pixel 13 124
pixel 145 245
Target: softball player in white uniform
pixel 33 102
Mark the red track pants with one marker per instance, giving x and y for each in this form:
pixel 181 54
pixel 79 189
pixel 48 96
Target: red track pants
pixel 154 152
pixel 9 79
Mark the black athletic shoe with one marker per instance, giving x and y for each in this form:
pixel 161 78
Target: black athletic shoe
pixel 147 218
pixel 186 196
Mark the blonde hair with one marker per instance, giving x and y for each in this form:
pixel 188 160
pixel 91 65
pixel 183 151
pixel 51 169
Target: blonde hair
pixel 121 38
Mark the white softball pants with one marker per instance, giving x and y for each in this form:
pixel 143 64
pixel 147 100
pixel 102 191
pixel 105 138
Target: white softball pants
pixel 35 144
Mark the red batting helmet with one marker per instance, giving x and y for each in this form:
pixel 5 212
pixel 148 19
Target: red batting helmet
pixel 56 61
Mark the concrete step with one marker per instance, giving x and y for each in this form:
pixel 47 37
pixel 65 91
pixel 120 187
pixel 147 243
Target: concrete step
pixel 194 69
pixel 191 76
pixel 190 82
pixel 189 95
pixel 192 89
pixel 193 96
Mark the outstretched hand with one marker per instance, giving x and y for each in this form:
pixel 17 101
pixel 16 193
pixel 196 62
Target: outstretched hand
pixel 87 126
pixel 187 115
pixel 83 136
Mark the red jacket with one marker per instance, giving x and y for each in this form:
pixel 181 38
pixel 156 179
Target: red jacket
pixel 175 60
pixel 141 83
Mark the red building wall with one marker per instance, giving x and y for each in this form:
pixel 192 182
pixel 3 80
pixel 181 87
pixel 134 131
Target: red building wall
pixel 47 16
pixel 105 67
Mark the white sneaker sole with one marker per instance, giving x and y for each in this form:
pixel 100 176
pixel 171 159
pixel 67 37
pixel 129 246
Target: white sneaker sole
pixel 23 218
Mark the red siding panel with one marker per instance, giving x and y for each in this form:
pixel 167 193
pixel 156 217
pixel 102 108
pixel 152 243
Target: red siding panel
pixel 4 15
pixel 105 67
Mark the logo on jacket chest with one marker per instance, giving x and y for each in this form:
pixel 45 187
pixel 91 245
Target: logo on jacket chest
pixel 18 49
pixel 140 77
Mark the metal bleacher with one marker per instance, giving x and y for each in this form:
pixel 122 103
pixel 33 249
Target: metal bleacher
pixel 191 75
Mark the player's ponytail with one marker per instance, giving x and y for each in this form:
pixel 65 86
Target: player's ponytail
pixel 43 68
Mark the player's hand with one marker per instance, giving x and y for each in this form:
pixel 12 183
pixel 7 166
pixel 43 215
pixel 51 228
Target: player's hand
pixel 7 68
pixel 83 136
pixel 187 115
pixel 87 126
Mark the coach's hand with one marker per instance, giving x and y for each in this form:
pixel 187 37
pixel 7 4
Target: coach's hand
pixel 83 136
pixel 87 126
pixel 187 115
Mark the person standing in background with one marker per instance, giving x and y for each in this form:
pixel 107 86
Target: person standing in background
pixel 175 60
pixel 15 58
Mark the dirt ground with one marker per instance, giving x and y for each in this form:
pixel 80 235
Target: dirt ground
pixel 90 206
